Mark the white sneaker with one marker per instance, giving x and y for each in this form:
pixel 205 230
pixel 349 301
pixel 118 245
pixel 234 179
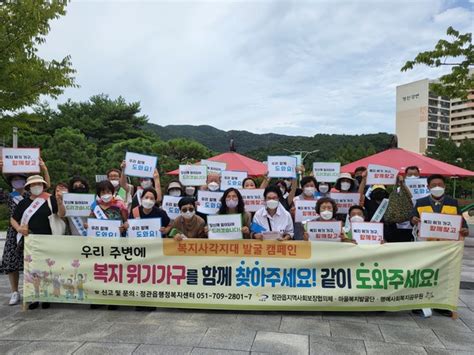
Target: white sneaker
pixel 14 299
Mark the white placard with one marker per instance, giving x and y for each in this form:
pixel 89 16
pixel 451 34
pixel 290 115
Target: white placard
pixel 209 202
pixel 439 226
pixel 253 199
pixel 193 175
pixel 103 228
pixel 20 160
pixel 305 210
pixel 140 165
pixel 381 175
pixel 418 187
pixel 214 166
pixel 78 205
pixel 324 231
pixel 367 232
pixel 281 166
pixel 232 179
pixel 345 200
pixel 225 226
pixel 326 172
pixel 144 228
pixel 170 206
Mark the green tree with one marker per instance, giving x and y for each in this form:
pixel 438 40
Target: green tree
pixel 102 120
pixel 24 76
pixel 445 150
pixel 458 54
pixel 68 153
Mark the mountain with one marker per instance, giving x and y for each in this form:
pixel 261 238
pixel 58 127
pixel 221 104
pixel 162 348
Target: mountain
pixel 216 139
pixel 330 147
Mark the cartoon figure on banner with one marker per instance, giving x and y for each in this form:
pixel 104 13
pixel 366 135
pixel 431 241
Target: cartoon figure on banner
pixel 48 284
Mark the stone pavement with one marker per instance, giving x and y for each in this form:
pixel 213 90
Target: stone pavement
pixel 66 329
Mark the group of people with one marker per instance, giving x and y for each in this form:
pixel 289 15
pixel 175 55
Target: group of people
pixel 35 207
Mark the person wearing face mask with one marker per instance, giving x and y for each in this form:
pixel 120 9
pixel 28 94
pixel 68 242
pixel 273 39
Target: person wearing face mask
pixel 60 189
pixel 77 185
pixel 12 260
pixel 287 193
pixel 356 214
pixel 144 183
pixel 190 191
pixel 324 189
pixel 188 224
pixel 108 206
pixel 213 182
pixel 326 208
pixel 175 189
pixel 308 185
pixel 345 183
pixel 148 209
pixel 437 202
pixel 32 214
pixel 232 203
pixel 358 175
pixel 412 172
pixel 273 217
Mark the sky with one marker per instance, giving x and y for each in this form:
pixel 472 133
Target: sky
pixel 288 67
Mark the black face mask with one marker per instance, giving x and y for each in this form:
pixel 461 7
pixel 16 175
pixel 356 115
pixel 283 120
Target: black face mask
pixel 358 178
pixel 378 195
pixel 79 190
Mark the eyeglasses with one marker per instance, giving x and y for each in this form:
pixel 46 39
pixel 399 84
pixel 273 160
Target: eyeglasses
pixel 187 210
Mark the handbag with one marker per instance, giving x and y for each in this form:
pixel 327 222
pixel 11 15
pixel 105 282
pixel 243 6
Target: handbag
pixel 57 224
pixel 400 205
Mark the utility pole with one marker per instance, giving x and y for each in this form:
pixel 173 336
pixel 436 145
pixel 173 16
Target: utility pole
pixel 15 137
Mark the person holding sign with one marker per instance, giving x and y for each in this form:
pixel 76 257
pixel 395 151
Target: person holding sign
pixel 233 203
pixel 145 183
pixel 148 209
pixel 326 208
pixel 77 185
pixel 308 184
pixel 32 213
pixel 114 176
pixel 108 206
pixel 12 260
pixel 188 224
pixel 438 202
pixel 272 220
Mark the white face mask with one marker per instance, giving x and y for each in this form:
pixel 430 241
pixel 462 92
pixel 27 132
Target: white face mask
pixel 231 203
pixel 323 188
pixel 190 190
pixel 187 215
pixel 213 186
pixel 309 191
pixel 283 191
pixel 148 203
pixel 345 186
pixel 326 215
pixel 175 193
pixel 146 184
pixel 412 177
pixel 272 204
pixel 115 183
pixel 106 198
pixel 437 191
pixel 37 190
pixel 357 219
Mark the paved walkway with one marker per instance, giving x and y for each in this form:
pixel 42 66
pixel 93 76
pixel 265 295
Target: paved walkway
pixel 66 329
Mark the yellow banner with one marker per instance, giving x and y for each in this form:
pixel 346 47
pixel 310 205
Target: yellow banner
pixel 242 274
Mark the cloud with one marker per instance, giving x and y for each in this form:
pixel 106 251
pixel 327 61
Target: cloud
pixel 286 67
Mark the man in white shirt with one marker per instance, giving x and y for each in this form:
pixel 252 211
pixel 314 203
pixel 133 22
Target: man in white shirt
pixel 273 217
